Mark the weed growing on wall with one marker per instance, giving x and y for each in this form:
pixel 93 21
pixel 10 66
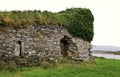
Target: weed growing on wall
pixel 78 21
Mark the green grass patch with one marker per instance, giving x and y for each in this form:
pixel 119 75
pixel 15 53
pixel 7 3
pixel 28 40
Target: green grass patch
pixel 101 68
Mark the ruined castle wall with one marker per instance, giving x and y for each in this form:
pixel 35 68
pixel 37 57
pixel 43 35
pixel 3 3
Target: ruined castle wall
pixel 43 41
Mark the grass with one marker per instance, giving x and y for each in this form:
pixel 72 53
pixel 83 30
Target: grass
pixel 101 68
pixel 19 18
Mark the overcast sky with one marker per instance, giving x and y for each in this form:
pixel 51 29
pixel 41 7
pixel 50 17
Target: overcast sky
pixel 106 14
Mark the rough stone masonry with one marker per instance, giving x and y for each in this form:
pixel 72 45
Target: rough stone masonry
pixel 46 42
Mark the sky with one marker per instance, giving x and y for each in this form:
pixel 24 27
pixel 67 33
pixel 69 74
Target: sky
pixel 106 14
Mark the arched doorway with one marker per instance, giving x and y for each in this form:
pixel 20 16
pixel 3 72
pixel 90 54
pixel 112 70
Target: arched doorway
pixel 68 47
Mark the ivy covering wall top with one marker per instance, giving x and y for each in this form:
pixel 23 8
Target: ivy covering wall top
pixel 78 21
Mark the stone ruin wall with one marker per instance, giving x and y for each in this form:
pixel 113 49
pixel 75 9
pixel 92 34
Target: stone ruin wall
pixel 46 42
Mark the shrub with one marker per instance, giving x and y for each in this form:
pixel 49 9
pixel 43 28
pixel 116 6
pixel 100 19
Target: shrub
pixel 47 65
pixel 10 66
pixel 81 24
pixel 2 65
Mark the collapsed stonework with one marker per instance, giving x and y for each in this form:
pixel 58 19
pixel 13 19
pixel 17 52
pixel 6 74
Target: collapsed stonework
pixel 44 42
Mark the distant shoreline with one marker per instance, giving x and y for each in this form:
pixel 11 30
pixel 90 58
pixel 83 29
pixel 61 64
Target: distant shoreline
pixel 105 48
pixel 108 55
pixel 108 52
